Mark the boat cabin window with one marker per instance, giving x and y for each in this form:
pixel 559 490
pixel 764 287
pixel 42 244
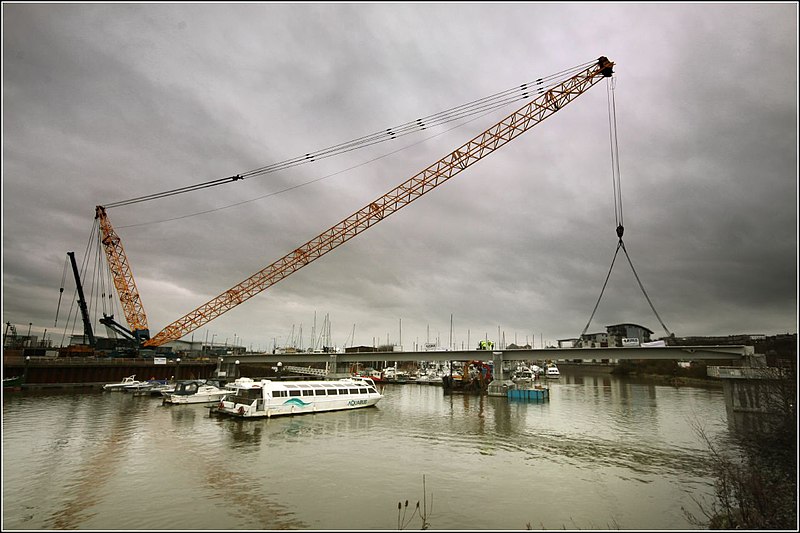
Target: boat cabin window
pixel 343 391
pixel 319 392
pixel 362 391
pixel 353 391
pixel 187 388
pixel 308 393
pixel 294 393
pixel 333 391
pixel 250 394
pixel 280 393
pixel 373 390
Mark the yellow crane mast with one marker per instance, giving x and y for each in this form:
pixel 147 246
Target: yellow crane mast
pixel 466 155
pixel 122 276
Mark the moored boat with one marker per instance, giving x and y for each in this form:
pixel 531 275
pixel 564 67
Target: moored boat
pixel 268 398
pixel 162 388
pixel 141 387
pixel 12 383
pixel 120 385
pixel 195 391
pixel 551 371
pixel 523 376
pixel 475 377
pixel 241 383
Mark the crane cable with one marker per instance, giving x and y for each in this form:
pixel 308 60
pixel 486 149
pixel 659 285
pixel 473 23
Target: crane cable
pixel 303 184
pixel 617 188
pixel 481 105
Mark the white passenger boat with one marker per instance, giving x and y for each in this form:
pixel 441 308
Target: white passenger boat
pixel 268 398
pixel 126 382
pixel 195 391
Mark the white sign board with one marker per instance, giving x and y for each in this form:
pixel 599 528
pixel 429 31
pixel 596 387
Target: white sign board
pixel 159 360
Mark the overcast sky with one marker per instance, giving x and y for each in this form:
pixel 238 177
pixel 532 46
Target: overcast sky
pixel 107 102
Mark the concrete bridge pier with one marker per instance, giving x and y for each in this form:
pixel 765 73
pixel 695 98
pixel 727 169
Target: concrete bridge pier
pixel 753 392
pixel 500 384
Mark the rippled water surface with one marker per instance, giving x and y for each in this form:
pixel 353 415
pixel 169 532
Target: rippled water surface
pixel 602 453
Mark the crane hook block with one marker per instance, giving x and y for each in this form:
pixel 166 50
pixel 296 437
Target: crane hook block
pixel 620 231
pixel 606 66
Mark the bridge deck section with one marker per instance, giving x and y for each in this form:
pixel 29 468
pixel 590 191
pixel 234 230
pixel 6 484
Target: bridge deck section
pixel 680 353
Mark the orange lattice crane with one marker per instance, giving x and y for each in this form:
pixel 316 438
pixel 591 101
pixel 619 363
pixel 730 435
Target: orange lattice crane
pixel 543 106
pixel 123 277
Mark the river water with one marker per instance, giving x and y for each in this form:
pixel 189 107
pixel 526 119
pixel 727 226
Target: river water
pixel 603 453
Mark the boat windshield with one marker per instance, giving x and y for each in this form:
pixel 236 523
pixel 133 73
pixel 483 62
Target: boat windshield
pixel 250 394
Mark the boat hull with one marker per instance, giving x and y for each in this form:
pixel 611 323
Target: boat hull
pixel 194 398
pixel 291 407
pixel 12 383
pixel 122 385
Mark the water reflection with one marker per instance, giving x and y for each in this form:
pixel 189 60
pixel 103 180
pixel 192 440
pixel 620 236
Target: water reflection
pixel 607 450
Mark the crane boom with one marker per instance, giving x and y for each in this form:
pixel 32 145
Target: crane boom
pixel 461 158
pixel 123 277
pixel 87 323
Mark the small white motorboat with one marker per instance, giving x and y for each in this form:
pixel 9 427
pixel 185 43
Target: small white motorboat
pixel 523 376
pixel 551 371
pixel 195 391
pixel 162 389
pixel 120 385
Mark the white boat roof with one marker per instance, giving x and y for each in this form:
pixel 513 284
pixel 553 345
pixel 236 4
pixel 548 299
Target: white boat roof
pixel 248 383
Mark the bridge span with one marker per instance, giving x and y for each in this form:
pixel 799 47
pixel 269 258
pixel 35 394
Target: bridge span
pixel 678 353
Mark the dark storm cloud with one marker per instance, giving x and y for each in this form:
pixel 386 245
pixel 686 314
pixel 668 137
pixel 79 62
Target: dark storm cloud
pixel 105 102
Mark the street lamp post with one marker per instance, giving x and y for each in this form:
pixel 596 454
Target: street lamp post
pixel 237 369
pixel 177 367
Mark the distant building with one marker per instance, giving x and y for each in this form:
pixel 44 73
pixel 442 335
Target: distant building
pixel 594 340
pixel 513 346
pixel 567 343
pixel 355 349
pixel 184 346
pixel 618 332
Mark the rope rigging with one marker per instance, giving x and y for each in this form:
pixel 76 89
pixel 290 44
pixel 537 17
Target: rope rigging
pixel 480 106
pixel 617 190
